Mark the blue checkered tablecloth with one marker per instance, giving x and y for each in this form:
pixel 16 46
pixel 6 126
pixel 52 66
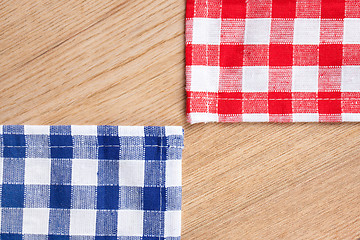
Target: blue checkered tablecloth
pixel 90 182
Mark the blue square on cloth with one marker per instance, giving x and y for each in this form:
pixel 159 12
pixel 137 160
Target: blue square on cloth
pixel 107 197
pixel 58 237
pixel 14 140
pixel 11 236
pixel 154 131
pixel 13 129
pixel 12 195
pixel 109 147
pixel 110 153
pixel 14 145
pixel 85 147
pixel 132 152
pixel 131 147
pixel 11 220
pixel 61 140
pixel 173 198
pixel 37 196
pixel 60 196
pixel 83 197
pixel 155 141
pixel 131 198
pixel 108 172
pixel 61 146
pixel 108 141
pixel 61 171
pixel 154 153
pixel 37 146
pixel 155 173
pixel 14 152
pixel 15 170
pixel 61 152
pixel 107 131
pixel 153 238
pixel 153 223
pixel 59 222
pixel 154 198
pixel 106 223
pixel 60 130
pixel 106 238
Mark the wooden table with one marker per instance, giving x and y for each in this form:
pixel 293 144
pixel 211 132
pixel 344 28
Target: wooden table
pixel 122 63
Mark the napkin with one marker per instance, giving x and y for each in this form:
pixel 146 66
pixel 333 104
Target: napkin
pixel 273 60
pixel 90 182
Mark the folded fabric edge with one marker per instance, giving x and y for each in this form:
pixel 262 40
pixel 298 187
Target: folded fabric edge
pixel 93 129
pixel 194 118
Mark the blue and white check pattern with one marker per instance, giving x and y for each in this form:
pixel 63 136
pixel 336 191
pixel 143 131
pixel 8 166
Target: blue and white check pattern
pixel 90 182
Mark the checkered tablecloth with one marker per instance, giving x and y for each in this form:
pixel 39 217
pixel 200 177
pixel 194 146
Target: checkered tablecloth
pixel 90 182
pixel 273 60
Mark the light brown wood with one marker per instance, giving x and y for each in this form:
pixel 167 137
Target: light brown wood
pixel 122 63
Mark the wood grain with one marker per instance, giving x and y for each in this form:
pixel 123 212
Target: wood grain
pixel 122 63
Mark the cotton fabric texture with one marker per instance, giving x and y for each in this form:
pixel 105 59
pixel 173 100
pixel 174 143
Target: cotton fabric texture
pixel 90 182
pixel 273 60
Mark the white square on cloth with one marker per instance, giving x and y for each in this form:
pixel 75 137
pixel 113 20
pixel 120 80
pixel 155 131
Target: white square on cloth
pixel 37 171
pixel 82 222
pixel 35 220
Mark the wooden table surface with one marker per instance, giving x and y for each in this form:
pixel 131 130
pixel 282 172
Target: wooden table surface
pixel 122 63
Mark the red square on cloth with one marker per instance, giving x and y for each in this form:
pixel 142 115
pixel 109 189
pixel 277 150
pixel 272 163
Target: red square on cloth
pixel 281 55
pixel 280 103
pixel 233 9
pixel 329 102
pixel 330 54
pixel 231 55
pixel 283 8
pixel 230 103
pixel 273 60
pixel 333 9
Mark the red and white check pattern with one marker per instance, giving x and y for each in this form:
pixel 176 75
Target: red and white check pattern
pixel 273 60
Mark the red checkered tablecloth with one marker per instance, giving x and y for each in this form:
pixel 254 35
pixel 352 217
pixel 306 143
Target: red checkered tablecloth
pixel 273 60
